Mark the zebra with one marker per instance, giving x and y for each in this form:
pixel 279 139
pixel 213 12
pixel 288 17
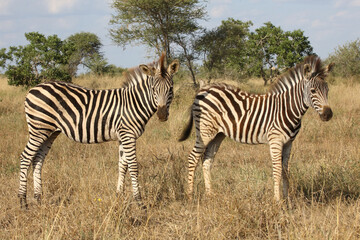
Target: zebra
pixel 95 116
pixel 274 118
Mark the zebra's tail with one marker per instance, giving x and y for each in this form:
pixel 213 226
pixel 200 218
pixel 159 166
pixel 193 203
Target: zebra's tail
pixel 187 130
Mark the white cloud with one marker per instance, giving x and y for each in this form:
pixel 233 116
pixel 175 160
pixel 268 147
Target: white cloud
pixel 355 3
pixel 344 15
pixel 317 24
pixel 341 14
pixel 57 6
pixel 221 1
pixel 218 11
pixel 347 3
pixel 4 7
pixel 7 25
pixel 283 1
pixel 63 23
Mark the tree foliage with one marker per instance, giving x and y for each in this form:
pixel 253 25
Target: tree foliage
pixel 270 47
pixel 86 52
pixel 347 59
pixel 154 23
pixel 232 50
pixel 50 58
pixel 43 58
pixel 224 49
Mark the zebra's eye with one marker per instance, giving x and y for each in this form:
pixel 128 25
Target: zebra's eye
pixel 312 91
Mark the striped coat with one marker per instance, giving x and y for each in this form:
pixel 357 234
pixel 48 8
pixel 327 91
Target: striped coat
pixel 273 118
pixel 95 116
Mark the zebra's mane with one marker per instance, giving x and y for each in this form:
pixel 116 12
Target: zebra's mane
pixel 133 76
pixel 295 74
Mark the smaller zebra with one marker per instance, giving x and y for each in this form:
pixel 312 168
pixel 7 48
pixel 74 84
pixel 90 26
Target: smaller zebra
pixel 95 116
pixel 273 118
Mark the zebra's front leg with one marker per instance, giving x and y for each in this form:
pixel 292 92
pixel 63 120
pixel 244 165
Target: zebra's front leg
pixel 122 170
pixel 129 153
pixel 285 168
pixel 276 157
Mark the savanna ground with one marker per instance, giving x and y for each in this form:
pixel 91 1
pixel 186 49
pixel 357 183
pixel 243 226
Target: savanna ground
pixel 79 181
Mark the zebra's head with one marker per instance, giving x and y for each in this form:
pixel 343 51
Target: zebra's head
pixel 316 89
pixel 162 84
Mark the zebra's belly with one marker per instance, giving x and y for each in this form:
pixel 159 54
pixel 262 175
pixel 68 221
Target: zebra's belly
pixel 247 134
pixel 253 140
pixel 83 135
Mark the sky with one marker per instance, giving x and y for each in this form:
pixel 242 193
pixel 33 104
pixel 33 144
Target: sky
pixel 328 23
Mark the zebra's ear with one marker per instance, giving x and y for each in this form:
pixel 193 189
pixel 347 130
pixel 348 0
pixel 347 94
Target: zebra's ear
pixel 174 67
pixel 307 71
pixel 147 71
pixel 329 68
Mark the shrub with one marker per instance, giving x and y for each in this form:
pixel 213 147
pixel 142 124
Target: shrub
pixel 347 59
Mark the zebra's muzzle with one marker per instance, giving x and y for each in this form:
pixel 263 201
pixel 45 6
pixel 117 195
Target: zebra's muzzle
pixel 326 114
pixel 162 113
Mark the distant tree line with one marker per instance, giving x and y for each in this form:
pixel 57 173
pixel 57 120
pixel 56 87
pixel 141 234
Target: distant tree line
pixel 50 58
pixel 234 51
pixel 230 50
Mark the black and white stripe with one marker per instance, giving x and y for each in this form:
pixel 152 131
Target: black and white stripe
pixel 95 116
pixel 274 118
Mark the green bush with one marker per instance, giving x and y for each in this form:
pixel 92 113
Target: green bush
pixel 346 59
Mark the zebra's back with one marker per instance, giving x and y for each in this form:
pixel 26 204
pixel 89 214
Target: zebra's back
pixel 83 115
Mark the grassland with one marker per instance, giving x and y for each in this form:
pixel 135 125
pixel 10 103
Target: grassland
pixel 79 181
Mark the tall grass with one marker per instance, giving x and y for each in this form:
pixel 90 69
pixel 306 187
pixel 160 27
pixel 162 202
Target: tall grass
pixel 79 180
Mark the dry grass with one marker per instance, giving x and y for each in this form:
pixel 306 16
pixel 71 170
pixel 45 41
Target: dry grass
pixel 79 181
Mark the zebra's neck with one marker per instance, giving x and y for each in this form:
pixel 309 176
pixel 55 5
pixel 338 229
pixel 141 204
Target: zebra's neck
pixel 139 105
pixel 291 100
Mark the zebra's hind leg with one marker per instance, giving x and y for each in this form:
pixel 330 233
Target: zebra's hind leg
pixel 193 160
pixel 38 162
pixel 25 161
pixel 285 168
pixel 209 155
pixel 27 157
pixel 197 152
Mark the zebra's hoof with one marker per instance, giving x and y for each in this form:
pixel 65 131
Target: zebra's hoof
pixel 38 198
pixel 23 203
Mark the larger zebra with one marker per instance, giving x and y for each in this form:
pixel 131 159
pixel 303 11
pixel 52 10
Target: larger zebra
pixel 274 118
pixel 95 116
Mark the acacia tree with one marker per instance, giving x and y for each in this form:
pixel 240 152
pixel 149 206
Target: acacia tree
pixel 162 25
